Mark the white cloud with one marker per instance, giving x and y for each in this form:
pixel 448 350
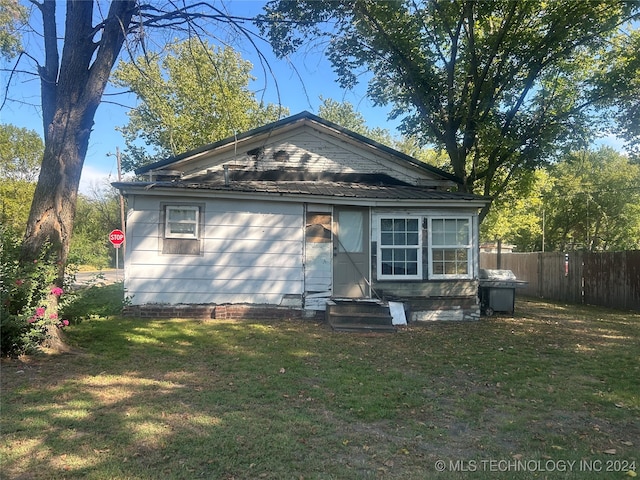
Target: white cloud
pixel 93 179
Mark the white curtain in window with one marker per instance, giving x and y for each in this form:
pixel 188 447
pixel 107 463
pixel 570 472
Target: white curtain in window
pixel 350 226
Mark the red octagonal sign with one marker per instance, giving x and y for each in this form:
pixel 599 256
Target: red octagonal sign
pixel 116 237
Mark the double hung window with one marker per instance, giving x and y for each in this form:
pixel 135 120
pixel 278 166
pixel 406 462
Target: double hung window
pixel 450 248
pixel 400 250
pixel 182 222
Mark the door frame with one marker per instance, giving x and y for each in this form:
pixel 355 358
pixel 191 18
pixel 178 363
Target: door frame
pixel 364 268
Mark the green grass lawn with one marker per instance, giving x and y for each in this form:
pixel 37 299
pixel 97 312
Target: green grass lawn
pixel 505 397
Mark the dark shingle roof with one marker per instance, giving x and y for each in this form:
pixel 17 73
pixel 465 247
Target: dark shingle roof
pixel 323 189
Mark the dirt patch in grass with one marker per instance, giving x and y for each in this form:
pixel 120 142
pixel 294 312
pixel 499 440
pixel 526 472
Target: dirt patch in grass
pixel 246 400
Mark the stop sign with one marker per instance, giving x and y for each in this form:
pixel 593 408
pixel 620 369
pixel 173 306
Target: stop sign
pixel 116 237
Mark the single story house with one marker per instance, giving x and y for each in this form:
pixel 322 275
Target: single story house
pixel 286 217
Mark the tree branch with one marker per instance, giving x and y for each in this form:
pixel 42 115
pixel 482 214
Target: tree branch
pixel 49 72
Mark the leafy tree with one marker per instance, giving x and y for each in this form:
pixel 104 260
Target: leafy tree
pixel 191 95
pixel 619 79
pixel 72 85
pixel 14 195
pixel 501 86
pixel 516 217
pixel 12 14
pixel 594 202
pixel 97 215
pixel 589 200
pixel 20 153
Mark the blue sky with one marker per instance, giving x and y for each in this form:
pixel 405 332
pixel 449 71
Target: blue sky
pixel 299 91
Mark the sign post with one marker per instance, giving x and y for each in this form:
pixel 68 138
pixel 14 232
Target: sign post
pixel 116 237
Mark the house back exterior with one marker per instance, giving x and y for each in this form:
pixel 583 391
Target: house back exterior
pixel 290 215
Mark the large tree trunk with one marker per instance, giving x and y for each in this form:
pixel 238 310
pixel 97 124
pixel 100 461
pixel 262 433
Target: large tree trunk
pixel 54 202
pixel 71 92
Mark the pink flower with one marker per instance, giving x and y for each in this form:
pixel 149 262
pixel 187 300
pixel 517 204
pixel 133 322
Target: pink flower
pixel 57 291
pixel 31 320
pixel 65 323
pixel 40 311
pixel 53 316
pixel 19 282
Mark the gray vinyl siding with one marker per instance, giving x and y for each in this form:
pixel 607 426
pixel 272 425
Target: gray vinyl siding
pixel 251 253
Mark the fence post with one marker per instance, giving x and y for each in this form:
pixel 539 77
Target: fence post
pixel 540 273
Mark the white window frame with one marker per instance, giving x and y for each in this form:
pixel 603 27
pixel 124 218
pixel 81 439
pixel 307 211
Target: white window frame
pixel 468 247
pixel 418 248
pixel 168 222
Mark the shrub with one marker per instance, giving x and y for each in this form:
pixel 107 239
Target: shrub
pixel 29 299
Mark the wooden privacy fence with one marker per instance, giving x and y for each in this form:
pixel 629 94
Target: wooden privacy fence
pixel 609 279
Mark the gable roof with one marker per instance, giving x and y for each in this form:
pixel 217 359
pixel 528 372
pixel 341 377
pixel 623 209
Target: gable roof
pixel 290 122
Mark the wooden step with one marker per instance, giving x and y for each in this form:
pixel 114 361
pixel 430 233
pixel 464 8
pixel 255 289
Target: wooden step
pixel 361 318
pixel 364 328
pixel 357 306
pixel 359 315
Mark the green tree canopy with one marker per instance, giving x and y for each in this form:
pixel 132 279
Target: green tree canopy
pixel 516 217
pixel 98 214
pixel 14 195
pixel 190 95
pixel 501 86
pixel 12 14
pixel 20 155
pixel 589 200
pixel 593 202
pixel 618 84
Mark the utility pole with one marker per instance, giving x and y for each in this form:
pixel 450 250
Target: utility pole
pixel 543 221
pixel 122 219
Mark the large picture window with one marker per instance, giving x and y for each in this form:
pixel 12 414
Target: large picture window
pixel 450 248
pixel 182 222
pixel 400 250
